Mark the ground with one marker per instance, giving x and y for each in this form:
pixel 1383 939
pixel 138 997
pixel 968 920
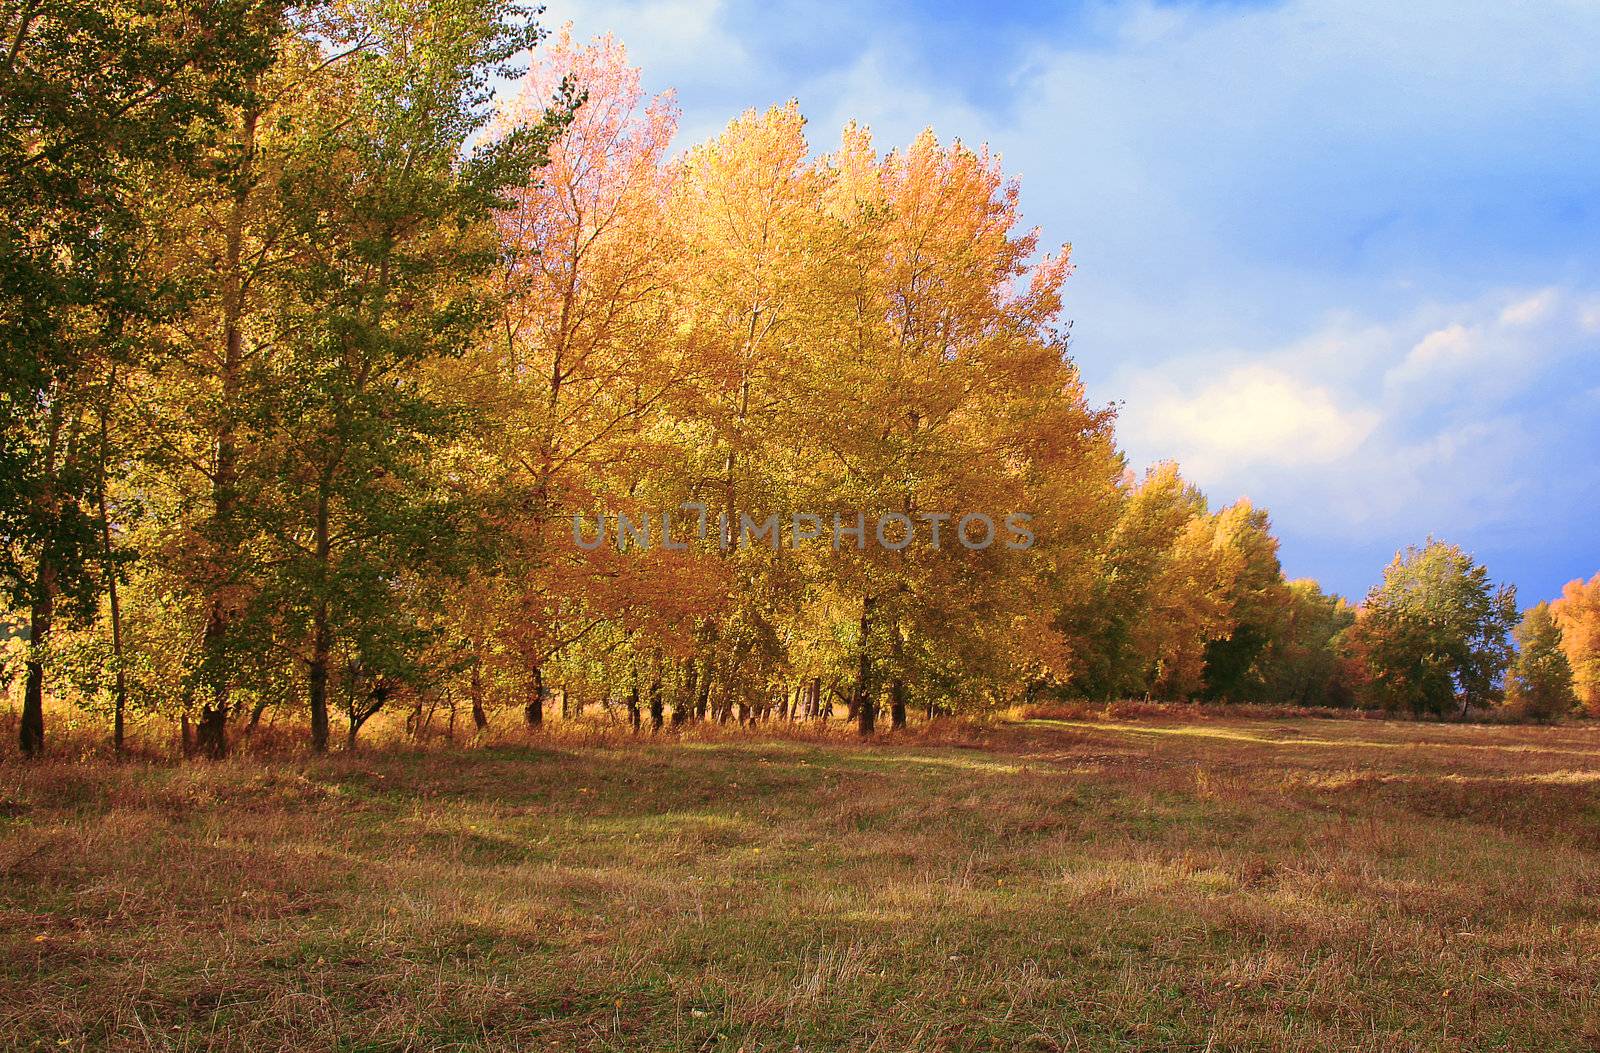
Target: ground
pixel 1114 884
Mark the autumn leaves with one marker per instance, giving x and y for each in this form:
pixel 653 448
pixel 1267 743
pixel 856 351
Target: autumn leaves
pixel 751 327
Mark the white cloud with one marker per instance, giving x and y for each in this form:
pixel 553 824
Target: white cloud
pixel 1414 425
pixel 1530 311
pixel 1246 417
pixel 1442 349
pixel 1589 315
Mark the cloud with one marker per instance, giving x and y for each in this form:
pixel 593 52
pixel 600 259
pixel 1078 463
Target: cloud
pixel 1530 311
pixel 1470 420
pixel 1249 416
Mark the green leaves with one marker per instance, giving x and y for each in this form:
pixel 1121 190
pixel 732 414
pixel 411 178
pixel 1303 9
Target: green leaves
pixel 1435 634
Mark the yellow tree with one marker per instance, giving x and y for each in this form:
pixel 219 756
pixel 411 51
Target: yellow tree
pixel 755 286
pixel 229 240
pixel 1251 583
pixel 952 404
pixel 1577 612
pixel 586 350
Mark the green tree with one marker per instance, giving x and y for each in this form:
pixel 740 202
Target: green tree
pixel 94 97
pixel 1435 633
pixel 395 208
pixel 1540 683
pixel 1302 665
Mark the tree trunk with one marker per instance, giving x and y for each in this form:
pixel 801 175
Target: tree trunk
pixel 321 636
pixel 212 734
pixel 533 712
pixel 480 720
pixel 375 702
pixel 31 733
pixel 865 705
pixel 657 715
pixel 120 699
pixel 897 685
pixel 703 705
pixel 683 704
pixel 320 647
pixel 41 614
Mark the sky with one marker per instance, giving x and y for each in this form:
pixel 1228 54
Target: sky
pixel 1339 256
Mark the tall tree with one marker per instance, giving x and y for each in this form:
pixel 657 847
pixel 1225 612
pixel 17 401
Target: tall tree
pixel 394 279
pixel 585 351
pixel 1257 599
pixel 92 97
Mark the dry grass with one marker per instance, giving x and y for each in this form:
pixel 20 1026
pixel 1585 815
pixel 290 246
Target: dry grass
pixel 1155 884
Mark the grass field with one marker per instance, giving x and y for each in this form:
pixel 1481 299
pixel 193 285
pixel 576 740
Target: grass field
pixel 1159 884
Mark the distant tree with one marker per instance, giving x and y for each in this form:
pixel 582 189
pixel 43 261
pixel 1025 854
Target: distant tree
pixel 1120 630
pixel 1302 665
pixel 1435 633
pixel 1540 682
pixel 1258 604
pixel 1577 612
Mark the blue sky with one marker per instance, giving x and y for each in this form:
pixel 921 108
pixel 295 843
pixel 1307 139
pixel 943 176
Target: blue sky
pixel 1342 256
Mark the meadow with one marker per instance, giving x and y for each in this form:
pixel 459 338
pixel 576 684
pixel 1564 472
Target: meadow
pixel 1159 882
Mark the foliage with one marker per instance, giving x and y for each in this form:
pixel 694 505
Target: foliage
pixel 368 316
pixel 1434 635
pixel 1540 681
pixel 1577 612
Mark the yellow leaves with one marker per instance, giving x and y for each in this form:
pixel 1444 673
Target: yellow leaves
pixel 1577 612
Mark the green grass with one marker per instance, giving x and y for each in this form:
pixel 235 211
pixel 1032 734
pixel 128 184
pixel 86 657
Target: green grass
pixel 1223 884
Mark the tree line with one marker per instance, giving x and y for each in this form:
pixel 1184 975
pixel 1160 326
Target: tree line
pixel 315 343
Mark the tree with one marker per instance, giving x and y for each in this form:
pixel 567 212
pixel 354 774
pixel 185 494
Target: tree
pixel 201 398
pixel 1257 600
pixel 1577 612
pixel 1540 680
pixel 391 278
pixel 584 352
pixel 1435 633
pixel 1173 581
pixel 1302 665
pixel 93 97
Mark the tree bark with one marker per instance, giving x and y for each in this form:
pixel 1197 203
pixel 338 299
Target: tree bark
pixel 41 612
pixel 703 704
pixel 683 704
pixel 657 715
pixel 321 634
pixel 31 734
pixel 866 710
pixel 897 685
pixel 480 720
pixel 320 648
pixel 533 712
pixel 212 734
pixel 120 701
